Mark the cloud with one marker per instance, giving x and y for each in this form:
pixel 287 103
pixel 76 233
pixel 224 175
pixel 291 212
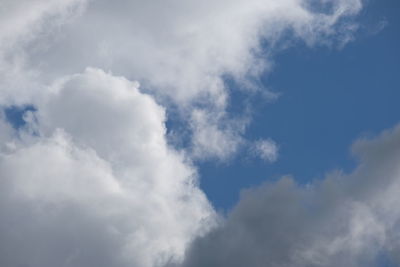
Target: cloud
pixel 215 136
pixel 97 185
pixel 343 220
pixel 23 22
pixel 179 50
pixel 267 150
pixel 6 132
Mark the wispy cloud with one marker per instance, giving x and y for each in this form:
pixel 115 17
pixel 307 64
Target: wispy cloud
pixel 265 149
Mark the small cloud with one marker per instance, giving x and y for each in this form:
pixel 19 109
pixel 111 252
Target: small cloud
pixel 215 136
pixel 380 26
pixel 377 27
pixel 266 149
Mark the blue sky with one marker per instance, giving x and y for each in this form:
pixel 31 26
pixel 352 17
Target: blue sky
pixel 329 98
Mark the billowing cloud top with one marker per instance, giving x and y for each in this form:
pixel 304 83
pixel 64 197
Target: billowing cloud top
pixel 92 182
pixel 89 178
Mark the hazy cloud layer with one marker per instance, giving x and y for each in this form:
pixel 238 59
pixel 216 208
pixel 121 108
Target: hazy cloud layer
pixel 342 220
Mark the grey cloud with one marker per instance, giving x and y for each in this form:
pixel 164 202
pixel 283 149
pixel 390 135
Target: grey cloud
pixel 343 220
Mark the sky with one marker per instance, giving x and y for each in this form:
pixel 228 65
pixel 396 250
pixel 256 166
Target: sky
pixel 199 133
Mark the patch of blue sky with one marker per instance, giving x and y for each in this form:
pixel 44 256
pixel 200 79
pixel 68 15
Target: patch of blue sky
pixel 15 115
pixel 384 260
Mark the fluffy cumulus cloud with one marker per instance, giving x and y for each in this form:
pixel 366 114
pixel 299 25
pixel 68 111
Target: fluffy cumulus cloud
pixel 343 220
pixel 91 181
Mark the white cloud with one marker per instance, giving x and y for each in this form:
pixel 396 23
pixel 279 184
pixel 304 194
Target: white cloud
pixel 214 135
pixel 265 149
pixel 179 50
pixel 342 220
pixel 23 22
pixel 98 186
